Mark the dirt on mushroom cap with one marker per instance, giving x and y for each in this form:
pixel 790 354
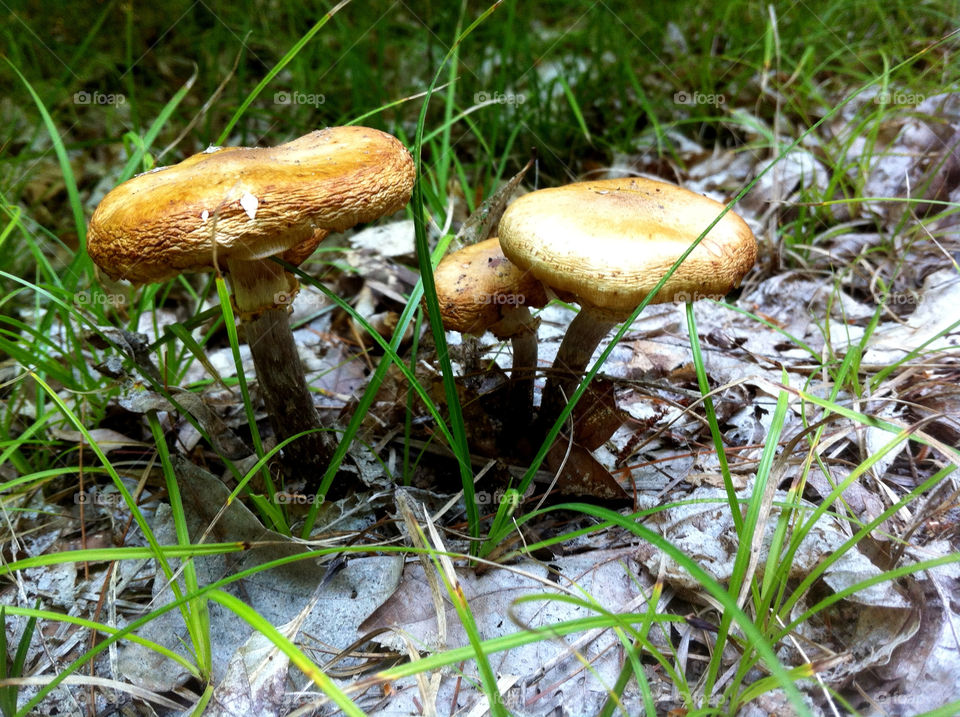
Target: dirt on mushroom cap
pixel 610 241
pixel 248 203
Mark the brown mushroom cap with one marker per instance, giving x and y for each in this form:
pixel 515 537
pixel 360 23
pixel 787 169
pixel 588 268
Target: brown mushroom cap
pixel 301 252
pixel 240 203
pixel 477 285
pixel 610 241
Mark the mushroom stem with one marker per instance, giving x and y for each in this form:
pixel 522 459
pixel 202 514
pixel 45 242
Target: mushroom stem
pixel 285 394
pixel 260 284
pixel 262 291
pixel 524 370
pixel 584 334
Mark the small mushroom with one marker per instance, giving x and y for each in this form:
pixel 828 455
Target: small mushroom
pixel 480 290
pixel 232 209
pixel 608 243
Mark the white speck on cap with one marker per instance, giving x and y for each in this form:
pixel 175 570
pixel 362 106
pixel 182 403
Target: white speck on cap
pixel 250 204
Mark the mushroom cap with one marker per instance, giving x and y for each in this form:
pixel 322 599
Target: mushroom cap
pixel 609 242
pixel 241 203
pixel 298 254
pixel 477 286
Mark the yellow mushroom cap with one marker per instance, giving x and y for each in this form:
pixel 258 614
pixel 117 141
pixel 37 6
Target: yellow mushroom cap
pixel 241 203
pixel 477 286
pixel 609 242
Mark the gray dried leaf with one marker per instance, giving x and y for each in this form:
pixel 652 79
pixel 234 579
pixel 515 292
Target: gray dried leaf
pixel 607 576
pixel 389 240
pixel 106 438
pixel 933 315
pixel 279 595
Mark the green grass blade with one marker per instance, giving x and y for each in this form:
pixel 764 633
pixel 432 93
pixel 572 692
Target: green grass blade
pixel 136 159
pixel 458 429
pixel 297 657
pixel 276 69
pixel 711 415
pixel 198 618
pixel 69 180
pixel 574 106
pixel 226 306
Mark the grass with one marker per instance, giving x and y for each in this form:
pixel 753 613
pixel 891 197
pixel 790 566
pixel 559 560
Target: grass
pixel 14 667
pixel 472 89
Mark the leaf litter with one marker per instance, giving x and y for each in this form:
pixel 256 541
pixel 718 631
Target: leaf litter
pixel 895 642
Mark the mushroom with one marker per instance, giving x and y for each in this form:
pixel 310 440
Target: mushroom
pixel 480 290
pixel 232 209
pixel 608 243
